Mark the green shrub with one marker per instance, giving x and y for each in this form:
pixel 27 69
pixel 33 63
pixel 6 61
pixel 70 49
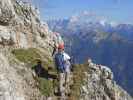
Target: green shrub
pixel 27 55
pixel 46 86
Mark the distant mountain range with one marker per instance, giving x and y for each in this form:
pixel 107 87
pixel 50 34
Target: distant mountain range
pixel 73 26
pixel 105 42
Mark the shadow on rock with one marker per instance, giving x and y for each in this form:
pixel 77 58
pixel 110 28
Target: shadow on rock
pixel 42 72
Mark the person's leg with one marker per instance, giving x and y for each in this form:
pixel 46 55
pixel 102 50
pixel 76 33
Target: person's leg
pixel 61 84
pixel 67 81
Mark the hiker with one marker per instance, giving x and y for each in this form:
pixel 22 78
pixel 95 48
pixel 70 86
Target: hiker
pixel 67 65
pixel 63 65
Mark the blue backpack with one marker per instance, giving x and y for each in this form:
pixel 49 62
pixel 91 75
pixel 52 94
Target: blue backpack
pixel 59 61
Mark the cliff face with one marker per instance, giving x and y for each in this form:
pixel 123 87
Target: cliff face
pixel 20 29
pixel 99 84
pixel 23 39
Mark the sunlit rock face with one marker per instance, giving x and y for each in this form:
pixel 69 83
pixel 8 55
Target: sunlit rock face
pixel 7 12
pixel 21 27
pixel 99 85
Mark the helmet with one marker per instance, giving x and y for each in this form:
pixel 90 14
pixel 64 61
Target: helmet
pixel 61 46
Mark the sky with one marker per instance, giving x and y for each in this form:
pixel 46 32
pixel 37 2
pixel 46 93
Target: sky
pixel 113 10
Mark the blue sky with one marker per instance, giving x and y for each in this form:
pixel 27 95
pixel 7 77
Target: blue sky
pixel 114 10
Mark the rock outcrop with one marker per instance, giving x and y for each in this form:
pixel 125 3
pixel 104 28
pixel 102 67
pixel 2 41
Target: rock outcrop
pixel 99 85
pixel 16 81
pixel 6 12
pixel 20 26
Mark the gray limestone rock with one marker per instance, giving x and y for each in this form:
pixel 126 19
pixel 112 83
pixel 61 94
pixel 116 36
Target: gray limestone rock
pixel 7 12
pixel 101 86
